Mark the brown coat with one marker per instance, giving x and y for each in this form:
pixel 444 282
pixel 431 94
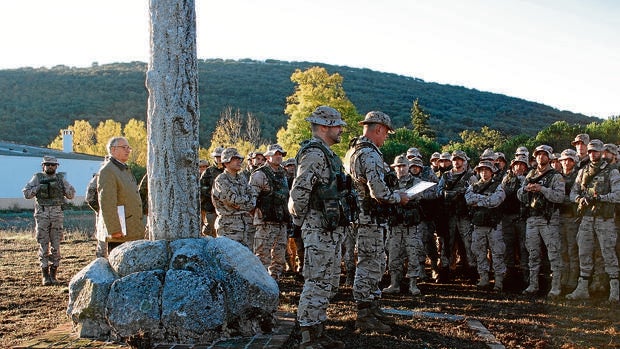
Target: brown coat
pixel 117 187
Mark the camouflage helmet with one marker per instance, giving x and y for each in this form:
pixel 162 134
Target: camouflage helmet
pixel 459 154
pixel 522 151
pixel 445 156
pixel 273 148
pixel 544 148
pixel 413 153
pixel 378 117
pixel 416 162
pixel 488 164
pixel 289 162
pixel 500 156
pixel 583 137
pixel 203 162
pixel 217 152
pixel 435 155
pixel 229 153
pixel 488 154
pixel 48 159
pixel 610 147
pixel 327 116
pixel 256 153
pixel 595 145
pixel 400 160
pixel 554 157
pixel 519 158
pixel 569 154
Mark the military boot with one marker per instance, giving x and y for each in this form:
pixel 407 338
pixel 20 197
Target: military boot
pixel 394 287
pixel 53 270
pixel 308 338
pixel 556 286
pixel 499 283
pixel 581 292
pixel 614 293
pixel 380 314
pixel 532 288
pixel 45 281
pixel 326 341
pixel 413 287
pixel 367 322
pixel 484 280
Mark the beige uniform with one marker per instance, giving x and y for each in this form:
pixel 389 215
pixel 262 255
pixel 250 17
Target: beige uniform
pixel 233 198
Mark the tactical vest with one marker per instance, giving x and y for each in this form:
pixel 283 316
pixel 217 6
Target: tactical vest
pixel 379 211
pixel 569 208
pixel 454 191
pixel 408 215
pixel 336 199
pixel 486 216
pixel 511 204
pixel 273 203
pixel 595 181
pixel 206 184
pixel 51 190
pixel 537 204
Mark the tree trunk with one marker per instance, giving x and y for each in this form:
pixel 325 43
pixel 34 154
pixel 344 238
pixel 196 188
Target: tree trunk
pixel 172 122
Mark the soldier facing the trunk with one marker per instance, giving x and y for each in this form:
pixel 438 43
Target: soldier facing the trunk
pixel 49 189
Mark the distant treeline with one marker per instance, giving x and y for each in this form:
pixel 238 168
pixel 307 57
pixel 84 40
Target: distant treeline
pixel 36 103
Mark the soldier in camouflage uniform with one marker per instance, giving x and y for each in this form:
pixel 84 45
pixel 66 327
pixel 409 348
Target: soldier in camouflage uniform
pixel 452 186
pixel 49 189
pixel 434 161
pixel 206 185
pixel 271 216
pixel 295 245
pixel 581 147
pixel 234 200
pixel 368 170
pixel 315 202
pixel 483 199
pixel 541 192
pixel 596 191
pixel 568 229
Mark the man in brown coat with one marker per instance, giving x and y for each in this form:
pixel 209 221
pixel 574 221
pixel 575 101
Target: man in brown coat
pixel 120 212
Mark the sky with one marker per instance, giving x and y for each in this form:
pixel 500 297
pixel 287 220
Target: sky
pixel 562 53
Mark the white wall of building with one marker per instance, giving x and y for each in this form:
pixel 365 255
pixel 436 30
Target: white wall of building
pixel 18 170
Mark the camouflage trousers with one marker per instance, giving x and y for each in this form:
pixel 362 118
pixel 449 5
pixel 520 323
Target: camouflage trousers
pixel 458 226
pixel 370 261
pixel 321 259
pixel 348 245
pixel 235 227
pixel 429 242
pixel 208 224
pixel 404 243
pixel 605 232
pixel 568 249
pixel 49 226
pixel 489 238
pixel 270 243
pixel 538 231
pixel 513 231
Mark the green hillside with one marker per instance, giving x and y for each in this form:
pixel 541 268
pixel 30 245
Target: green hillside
pixel 36 103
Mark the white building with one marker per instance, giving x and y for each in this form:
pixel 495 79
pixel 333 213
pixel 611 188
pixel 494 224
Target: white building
pixel 21 162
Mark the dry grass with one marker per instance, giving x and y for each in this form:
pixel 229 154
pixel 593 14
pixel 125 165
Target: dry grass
pixel 28 309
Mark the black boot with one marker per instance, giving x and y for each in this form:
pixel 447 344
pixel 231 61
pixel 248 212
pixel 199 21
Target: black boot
pixel 53 270
pixel 45 280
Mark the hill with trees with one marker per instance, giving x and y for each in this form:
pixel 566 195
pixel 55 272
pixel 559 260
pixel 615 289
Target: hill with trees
pixel 37 102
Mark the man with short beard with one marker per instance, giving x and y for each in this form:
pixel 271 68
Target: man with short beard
pixel 542 190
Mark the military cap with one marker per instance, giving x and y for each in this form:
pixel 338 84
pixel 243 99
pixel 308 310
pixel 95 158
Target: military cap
pixel 610 147
pixel 435 155
pixel 519 158
pixel 445 156
pixel 327 116
pixel 583 137
pixel 289 162
pixel 229 153
pixel 488 154
pixel 413 153
pixel 257 152
pixel 459 154
pixel 378 117
pixel 499 155
pixel 522 151
pixel 554 156
pixel 400 160
pixel 485 163
pixel 416 162
pixel 273 148
pixel 569 154
pixel 203 162
pixel 544 148
pixel 48 159
pixel 595 145
pixel 217 152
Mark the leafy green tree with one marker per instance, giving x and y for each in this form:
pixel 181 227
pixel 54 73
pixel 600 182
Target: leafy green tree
pixel 419 120
pixel 474 142
pixel 403 139
pixel 83 137
pixel 104 131
pixel 135 132
pixel 233 130
pixel 607 131
pixel 315 87
pixel 558 135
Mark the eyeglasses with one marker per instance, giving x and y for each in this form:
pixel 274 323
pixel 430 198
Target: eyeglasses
pixel 49 164
pixel 125 147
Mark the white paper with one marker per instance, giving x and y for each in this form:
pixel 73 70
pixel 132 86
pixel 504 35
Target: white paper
pixel 419 187
pixel 121 218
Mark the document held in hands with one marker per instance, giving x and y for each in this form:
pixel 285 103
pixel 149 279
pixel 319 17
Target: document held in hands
pixel 121 219
pixel 418 188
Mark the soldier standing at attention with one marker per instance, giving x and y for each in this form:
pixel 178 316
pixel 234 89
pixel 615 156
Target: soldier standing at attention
pixel 234 200
pixel 596 191
pixel 541 192
pixel 271 215
pixel 368 170
pixel 314 204
pixel 568 228
pixel 49 189
pixel 206 184
pixel 581 147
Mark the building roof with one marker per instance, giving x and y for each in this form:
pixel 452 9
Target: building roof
pixel 14 149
